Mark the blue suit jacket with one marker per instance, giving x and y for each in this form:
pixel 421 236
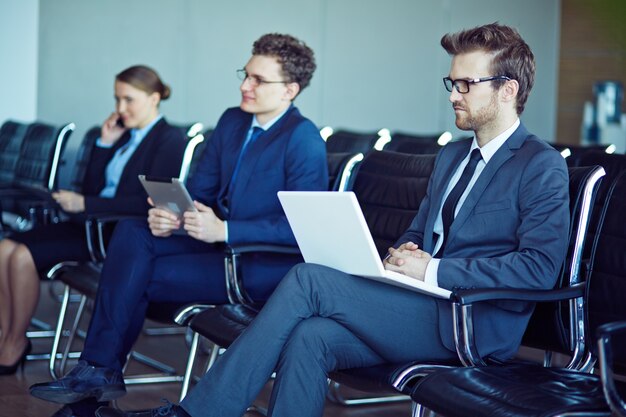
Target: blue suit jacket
pixel 291 155
pixel 512 231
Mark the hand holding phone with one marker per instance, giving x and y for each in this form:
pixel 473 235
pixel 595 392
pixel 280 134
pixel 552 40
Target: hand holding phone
pixel 112 129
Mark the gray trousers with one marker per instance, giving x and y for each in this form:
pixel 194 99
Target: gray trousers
pixel 318 320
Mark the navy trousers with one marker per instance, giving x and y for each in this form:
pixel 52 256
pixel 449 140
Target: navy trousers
pixel 140 268
pixel 318 320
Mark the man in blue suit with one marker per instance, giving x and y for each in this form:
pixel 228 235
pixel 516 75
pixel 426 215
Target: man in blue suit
pixel 256 150
pixel 496 214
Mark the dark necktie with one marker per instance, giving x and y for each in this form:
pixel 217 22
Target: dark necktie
pixel 449 206
pixel 256 132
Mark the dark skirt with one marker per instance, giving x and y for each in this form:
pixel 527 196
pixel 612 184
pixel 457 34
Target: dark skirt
pixel 53 243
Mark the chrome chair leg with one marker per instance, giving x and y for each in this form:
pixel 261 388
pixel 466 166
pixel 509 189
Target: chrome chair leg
pixel 72 335
pixel 59 332
pixel 189 369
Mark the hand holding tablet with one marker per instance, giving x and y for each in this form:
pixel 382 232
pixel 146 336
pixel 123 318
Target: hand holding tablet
pixel 170 195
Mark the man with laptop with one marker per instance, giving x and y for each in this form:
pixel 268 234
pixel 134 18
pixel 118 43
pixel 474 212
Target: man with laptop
pixel 496 214
pixel 263 146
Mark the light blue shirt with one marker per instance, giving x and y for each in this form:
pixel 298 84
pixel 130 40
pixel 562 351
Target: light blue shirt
pixel 487 152
pixel 116 165
pixel 265 127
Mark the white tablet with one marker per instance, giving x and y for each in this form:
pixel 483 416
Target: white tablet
pixel 168 194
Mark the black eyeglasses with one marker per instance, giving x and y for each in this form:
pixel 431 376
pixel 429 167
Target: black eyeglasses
pixel 463 85
pixel 254 80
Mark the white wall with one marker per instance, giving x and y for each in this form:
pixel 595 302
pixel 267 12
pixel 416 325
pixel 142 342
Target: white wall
pixel 379 63
pixel 19 31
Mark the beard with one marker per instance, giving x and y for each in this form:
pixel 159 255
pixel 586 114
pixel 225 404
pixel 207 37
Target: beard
pixel 476 120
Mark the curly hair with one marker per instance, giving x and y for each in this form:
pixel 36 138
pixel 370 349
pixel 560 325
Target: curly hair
pixel 145 79
pixel 295 57
pixel 511 54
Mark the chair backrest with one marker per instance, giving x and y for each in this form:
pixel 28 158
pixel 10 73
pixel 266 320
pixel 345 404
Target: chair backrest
pixel 416 144
pixel 607 281
pixel 574 154
pixel 340 168
pixel 196 151
pixel 613 164
pixel 390 187
pixel 40 155
pixel 83 156
pixel 348 141
pixel 190 130
pixel 11 138
pixel 555 327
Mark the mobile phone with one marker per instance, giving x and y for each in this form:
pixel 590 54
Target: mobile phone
pixel 120 122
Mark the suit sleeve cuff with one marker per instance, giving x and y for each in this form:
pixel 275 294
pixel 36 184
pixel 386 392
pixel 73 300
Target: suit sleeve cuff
pixel 430 277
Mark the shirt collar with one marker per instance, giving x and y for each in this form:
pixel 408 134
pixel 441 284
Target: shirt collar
pixel 138 134
pixel 266 126
pixel 492 147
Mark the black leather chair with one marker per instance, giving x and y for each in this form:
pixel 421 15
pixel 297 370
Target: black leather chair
pixel 573 154
pixel 415 144
pixel 613 164
pixel 82 278
pixel 190 130
pixel 223 324
pixel 340 168
pixel 197 153
pixel 36 169
pixel 47 210
pixel 12 135
pixel 350 141
pixel 528 390
pixel 398 377
pixel 389 186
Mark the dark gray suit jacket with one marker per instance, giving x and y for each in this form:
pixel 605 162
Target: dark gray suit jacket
pixel 512 231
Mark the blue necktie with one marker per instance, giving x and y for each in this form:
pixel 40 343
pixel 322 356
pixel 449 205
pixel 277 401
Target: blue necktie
pixel 256 132
pixel 449 206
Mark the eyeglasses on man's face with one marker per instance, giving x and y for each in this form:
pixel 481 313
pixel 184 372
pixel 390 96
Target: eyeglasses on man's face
pixel 463 85
pixel 255 80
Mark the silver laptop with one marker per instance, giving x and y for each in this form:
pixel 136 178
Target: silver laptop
pixel 331 230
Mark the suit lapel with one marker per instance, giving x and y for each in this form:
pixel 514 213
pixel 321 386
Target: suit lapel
pixel 256 149
pixel 141 150
pixel 506 152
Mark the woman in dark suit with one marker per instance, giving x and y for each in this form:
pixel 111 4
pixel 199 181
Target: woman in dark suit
pixel 135 139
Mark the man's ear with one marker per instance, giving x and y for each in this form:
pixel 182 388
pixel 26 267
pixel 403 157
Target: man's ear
pixel 509 91
pixel 292 91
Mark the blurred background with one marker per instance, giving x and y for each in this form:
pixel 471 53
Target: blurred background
pixel 379 63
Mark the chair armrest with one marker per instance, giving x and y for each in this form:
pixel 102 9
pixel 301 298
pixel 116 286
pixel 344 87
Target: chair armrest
pixel 261 247
pixel 470 296
pixel 94 226
pixel 185 314
pixel 462 313
pixel 234 278
pixel 606 354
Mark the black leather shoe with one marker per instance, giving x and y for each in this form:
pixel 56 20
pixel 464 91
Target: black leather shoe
pixel 83 382
pixel 168 410
pixel 11 369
